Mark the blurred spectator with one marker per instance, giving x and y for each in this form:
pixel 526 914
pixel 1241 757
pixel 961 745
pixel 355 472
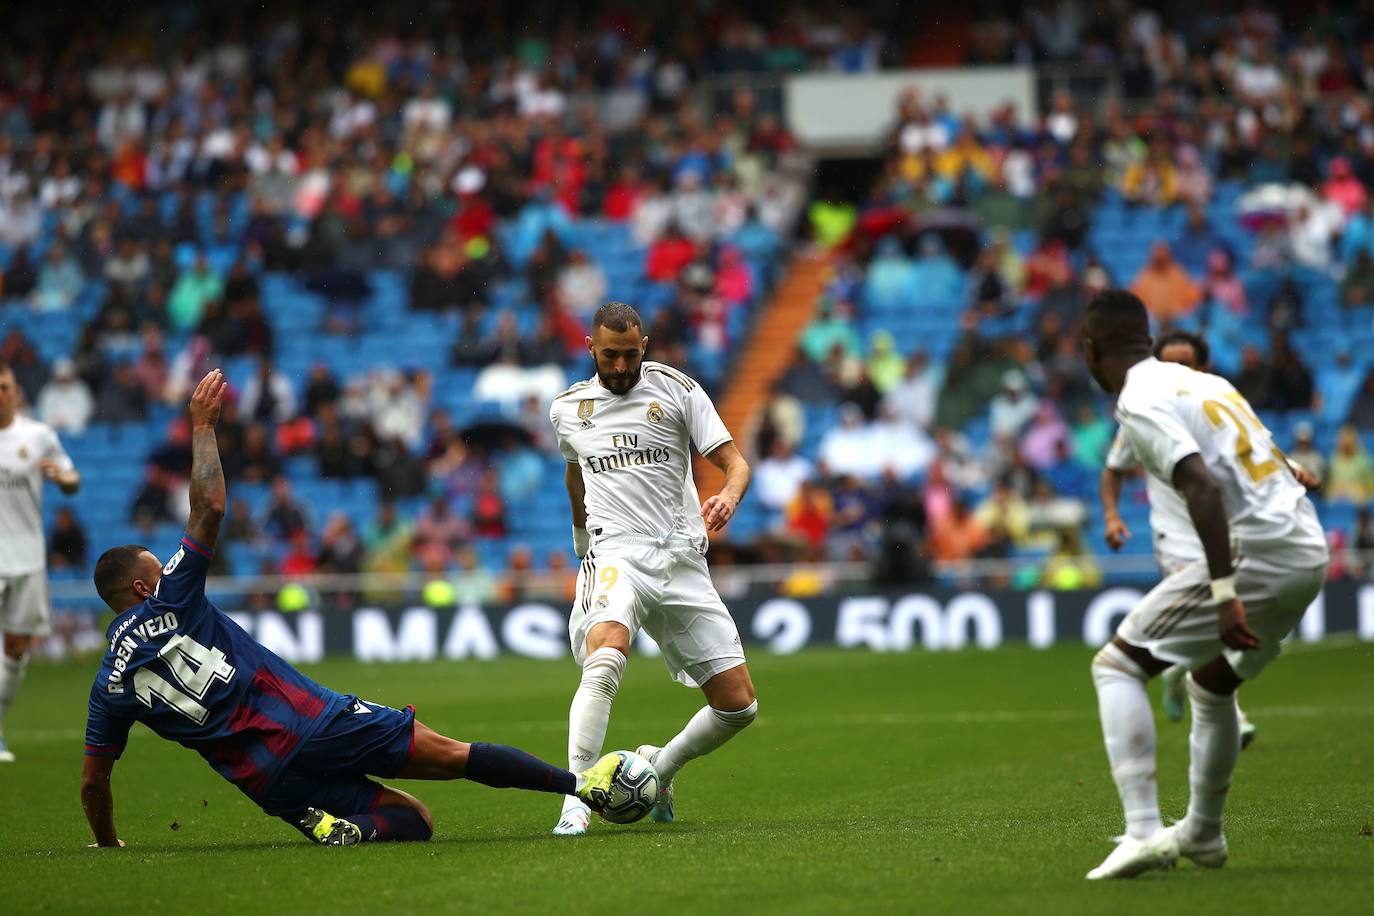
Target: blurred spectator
pixel 1363 541
pixel 267 396
pixel 341 550
pixel 1357 289
pixel 937 275
pixel 854 508
pixel 1011 410
pixel 913 397
pixel 65 402
pixel 809 516
pixel 1165 287
pixel 489 508
pixel 151 505
pixel 890 282
pixel 1256 379
pixel 957 535
pixel 473 584
pixel 60 280
pixel 123 399
pixel 239 524
pixel 668 255
pixel 779 477
pixel 66 542
pixel 1199 242
pixel 299 559
pixel 1222 286
pixel 1362 411
pixel 1004 512
pixel 438 528
pixel 1350 477
pixel 1343 188
pixel 19 279
pixel 1069 568
pixel 286 515
pixel 1305 453
pixel 830 328
pixel 1292 382
pixel 581 285
pixel 886 367
pixel 399 406
pixel 255 462
pixel 1068 478
pixel 195 288
pixel 1045 441
pixel 831 219
pixel 1152 181
pixel 845 448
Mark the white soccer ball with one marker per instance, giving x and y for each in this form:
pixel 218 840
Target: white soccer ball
pixel 634 791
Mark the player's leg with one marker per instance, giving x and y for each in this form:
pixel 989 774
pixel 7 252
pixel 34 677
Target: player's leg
pixel 14 662
pixel 1275 598
pixel 589 714
pixel 601 626
pixel 1120 672
pixel 700 645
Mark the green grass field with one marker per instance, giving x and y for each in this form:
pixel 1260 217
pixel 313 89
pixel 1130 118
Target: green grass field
pixel 951 783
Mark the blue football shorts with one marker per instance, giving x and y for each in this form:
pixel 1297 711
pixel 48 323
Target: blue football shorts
pixel 330 771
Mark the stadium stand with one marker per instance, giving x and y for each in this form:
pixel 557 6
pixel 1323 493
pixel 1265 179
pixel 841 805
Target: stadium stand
pixel 392 241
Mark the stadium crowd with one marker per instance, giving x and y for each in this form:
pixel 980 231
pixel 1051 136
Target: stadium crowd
pixel 154 190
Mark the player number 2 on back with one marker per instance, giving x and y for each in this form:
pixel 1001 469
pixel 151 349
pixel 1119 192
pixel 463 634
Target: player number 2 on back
pixel 1215 410
pixel 180 653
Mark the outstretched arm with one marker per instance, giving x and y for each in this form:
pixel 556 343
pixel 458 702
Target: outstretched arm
pixel 97 800
pixel 208 495
pixel 719 509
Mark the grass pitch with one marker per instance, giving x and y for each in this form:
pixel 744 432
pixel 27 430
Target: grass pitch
pixel 948 782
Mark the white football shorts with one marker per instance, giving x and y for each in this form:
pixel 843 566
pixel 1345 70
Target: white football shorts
pixel 663 586
pixel 24 606
pixel 1177 620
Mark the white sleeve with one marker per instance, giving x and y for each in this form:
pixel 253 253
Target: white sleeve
pixel 1119 456
pixel 57 453
pixel 703 423
pixel 564 446
pixel 1158 437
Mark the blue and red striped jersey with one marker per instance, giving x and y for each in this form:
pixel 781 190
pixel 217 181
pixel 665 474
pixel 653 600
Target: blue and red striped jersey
pixel 182 667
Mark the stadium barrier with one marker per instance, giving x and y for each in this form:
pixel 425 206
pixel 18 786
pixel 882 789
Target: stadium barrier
pixel 876 620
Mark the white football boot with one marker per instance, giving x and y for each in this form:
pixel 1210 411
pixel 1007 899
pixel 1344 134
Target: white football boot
pixel 1203 853
pixel 662 811
pixel 1132 857
pixel 6 755
pixel 575 818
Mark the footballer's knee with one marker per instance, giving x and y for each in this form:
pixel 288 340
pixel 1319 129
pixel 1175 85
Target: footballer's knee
pixel 609 635
pixel 733 691
pixel 17 645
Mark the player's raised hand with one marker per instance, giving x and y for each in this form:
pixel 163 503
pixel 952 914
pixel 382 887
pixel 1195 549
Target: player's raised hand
pixel 208 398
pixel 718 510
pixel 1235 631
pixel 1117 533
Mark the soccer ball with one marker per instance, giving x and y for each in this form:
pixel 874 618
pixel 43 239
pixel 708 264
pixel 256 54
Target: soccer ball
pixel 634 791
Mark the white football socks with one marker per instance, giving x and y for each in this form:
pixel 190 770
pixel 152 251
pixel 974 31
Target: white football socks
pixel 11 675
pixel 706 731
pixel 1128 730
pixel 590 712
pixel 1214 743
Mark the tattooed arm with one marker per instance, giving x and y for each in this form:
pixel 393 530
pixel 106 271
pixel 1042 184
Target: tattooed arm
pixel 207 476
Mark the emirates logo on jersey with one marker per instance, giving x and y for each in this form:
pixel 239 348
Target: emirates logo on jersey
pixel 655 412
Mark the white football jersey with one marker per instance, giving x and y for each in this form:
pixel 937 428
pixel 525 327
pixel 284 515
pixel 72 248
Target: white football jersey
pixel 1168 412
pixel 1176 542
pixel 23 444
pixel 635 450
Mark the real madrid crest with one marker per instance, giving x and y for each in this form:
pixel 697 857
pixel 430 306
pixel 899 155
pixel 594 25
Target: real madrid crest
pixel 601 602
pixel 23 453
pixel 655 412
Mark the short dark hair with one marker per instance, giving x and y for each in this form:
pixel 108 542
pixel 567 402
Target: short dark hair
pixel 1116 318
pixel 1199 345
pixel 618 317
pixel 114 571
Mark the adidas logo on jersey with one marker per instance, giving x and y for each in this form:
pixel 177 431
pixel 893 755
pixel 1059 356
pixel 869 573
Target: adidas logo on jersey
pixel 584 411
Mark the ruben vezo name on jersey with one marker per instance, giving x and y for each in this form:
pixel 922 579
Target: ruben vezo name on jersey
pixel 627 454
pixel 124 647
